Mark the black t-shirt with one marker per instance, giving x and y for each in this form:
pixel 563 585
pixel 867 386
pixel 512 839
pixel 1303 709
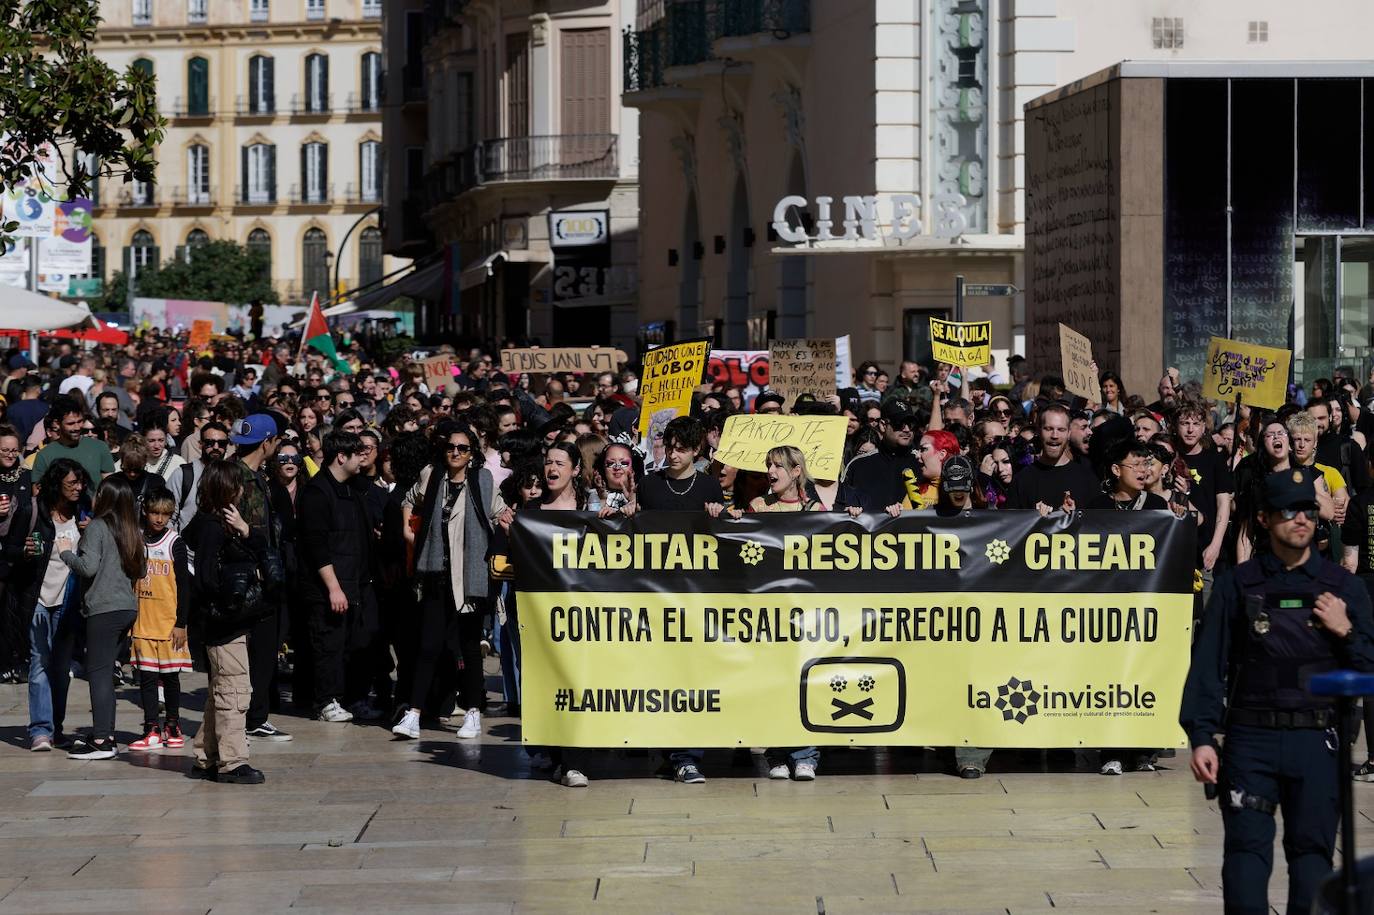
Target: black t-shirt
pixel 1105 501
pixel 1358 529
pixel 1211 478
pixel 1039 482
pixel 1338 451
pixel 658 493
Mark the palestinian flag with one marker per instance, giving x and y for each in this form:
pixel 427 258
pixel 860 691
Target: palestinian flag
pixel 317 334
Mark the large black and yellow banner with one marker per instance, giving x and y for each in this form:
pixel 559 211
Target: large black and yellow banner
pixel 999 629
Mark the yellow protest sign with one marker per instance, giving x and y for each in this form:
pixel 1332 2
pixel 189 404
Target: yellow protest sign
pixel 797 367
pixel 746 438
pixel 538 360
pixel 961 343
pixel 999 629
pixel 1258 375
pixel 1076 358
pixel 671 373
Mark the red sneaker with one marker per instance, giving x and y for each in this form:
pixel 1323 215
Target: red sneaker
pixel 150 741
pixel 171 736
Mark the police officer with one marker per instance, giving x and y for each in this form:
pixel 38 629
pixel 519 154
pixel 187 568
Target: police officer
pixel 1271 624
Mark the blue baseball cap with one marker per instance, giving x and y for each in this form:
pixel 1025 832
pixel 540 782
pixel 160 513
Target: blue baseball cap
pixel 251 430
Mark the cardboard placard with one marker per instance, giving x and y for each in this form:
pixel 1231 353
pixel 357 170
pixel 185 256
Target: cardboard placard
pixel 961 343
pixel 201 329
pixel 438 372
pixel 538 360
pixel 745 441
pixel 1257 375
pixel 1076 356
pixel 671 373
pixel 797 367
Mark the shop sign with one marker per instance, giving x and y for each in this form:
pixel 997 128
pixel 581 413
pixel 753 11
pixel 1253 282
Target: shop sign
pixel 861 218
pixel 577 228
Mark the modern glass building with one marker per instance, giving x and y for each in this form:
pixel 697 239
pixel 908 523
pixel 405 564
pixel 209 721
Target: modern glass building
pixel 1171 202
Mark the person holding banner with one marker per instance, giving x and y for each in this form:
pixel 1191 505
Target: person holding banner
pixel 1272 624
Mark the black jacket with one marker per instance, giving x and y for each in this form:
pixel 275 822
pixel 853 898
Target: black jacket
pixel 332 528
pixel 209 546
pixel 24 573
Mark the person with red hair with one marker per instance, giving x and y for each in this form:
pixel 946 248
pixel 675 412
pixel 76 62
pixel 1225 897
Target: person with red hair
pixel 937 446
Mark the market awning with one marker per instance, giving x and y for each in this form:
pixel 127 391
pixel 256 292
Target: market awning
pixel 21 309
pixel 423 283
pixel 476 274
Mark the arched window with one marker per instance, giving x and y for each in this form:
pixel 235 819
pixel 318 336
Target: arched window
pixel 262 91
pixel 143 65
pixel 198 174
pixel 316 84
pixel 371 89
pixel 141 254
pixel 198 87
pixel 197 237
pixel 315 263
pixel 369 256
pixel 314 173
pixel 260 245
pixel 259 173
pixel 370 171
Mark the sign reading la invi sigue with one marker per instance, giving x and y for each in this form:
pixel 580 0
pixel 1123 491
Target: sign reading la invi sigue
pixel 675 629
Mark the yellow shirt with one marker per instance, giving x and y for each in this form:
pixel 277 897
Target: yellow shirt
pixel 1334 481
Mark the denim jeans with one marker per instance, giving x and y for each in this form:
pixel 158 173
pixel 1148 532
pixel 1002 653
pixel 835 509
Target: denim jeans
pixel 52 637
pixel 810 755
pixel 508 647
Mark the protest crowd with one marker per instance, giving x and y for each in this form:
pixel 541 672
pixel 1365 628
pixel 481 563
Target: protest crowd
pixel 330 538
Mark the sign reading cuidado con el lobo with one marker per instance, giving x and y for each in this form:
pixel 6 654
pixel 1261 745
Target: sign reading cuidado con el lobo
pixel 675 629
pixel 538 360
pixel 961 343
pixel 671 373
pixel 1258 375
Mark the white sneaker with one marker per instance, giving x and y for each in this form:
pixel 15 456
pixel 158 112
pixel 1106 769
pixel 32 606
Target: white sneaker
pixel 334 712
pixel 364 710
pixel 573 779
pixel 472 725
pixel 779 773
pixel 409 725
pixel 1111 767
pixel 804 772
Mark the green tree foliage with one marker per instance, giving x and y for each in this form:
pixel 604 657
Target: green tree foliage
pixel 217 271
pixel 55 92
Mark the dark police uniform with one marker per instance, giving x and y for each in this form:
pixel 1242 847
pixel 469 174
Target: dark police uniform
pixel 1261 642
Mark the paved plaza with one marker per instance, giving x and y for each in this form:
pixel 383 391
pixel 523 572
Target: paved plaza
pixel 350 821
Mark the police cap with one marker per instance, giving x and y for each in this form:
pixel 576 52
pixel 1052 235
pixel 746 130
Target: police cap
pixel 1289 489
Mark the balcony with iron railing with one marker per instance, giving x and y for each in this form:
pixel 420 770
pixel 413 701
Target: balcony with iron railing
pixel 558 157
pixel 362 193
pixel 358 103
pixel 192 196
pixel 312 105
pixel 685 34
pixel 254 196
pixel 316 194
pixel 137 196
pixel 779 18
pixel 184 107
pixel 246 106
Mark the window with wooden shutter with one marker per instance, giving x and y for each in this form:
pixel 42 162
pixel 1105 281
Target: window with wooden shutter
pixel 585 84
pixel 198 87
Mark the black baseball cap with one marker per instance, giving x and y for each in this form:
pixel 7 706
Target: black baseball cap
pixel 898 413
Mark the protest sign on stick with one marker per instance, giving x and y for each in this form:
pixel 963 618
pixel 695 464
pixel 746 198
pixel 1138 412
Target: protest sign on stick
pixel 1076 357
pixel 961 343
pixel 797 367
pixel 1247 372
pixel 671 373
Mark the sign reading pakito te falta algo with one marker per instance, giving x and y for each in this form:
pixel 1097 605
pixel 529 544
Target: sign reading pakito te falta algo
pixel 998 629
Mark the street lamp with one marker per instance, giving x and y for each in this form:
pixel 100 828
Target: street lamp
pixel 359 221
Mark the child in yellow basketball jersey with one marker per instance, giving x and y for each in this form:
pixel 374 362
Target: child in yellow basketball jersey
pixel 159 637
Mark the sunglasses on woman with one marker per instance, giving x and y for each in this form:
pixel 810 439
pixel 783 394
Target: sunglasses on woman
pixel 458 449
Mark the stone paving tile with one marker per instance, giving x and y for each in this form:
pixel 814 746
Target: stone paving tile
pixel 352 821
